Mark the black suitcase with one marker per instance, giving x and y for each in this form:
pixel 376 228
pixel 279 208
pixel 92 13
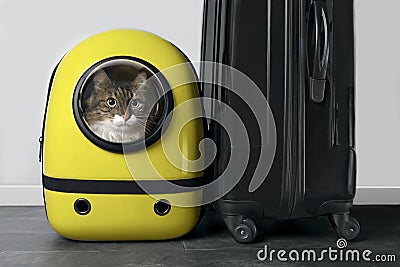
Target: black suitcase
pixel 300 53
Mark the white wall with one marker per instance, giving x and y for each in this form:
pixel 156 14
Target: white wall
pixel 378 94
pixel 35 34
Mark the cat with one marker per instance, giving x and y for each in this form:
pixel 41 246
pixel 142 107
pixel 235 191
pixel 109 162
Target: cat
pixel 121 111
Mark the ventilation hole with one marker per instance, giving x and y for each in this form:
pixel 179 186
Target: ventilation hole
pixel 82 206
pixel 162 207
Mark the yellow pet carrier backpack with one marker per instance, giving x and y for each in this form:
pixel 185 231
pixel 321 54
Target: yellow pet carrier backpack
pixel 91 192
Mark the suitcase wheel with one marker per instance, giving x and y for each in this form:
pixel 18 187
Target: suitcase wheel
pixel 345 226
pixel 242 230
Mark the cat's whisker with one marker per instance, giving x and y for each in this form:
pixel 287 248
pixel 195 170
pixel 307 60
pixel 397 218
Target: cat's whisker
pixel 150 116
pixel 147 126
pixel 141 123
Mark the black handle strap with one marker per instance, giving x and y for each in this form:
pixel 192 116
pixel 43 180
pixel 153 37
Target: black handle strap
pixel 318 50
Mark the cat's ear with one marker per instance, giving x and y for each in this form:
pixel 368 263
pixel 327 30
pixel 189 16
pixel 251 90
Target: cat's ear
pixel 101 80
pixel 140 80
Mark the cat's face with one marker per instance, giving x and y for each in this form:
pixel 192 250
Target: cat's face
pixel 120 111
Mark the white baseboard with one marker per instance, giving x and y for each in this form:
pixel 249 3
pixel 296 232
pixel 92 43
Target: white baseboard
pixel 21 195
pixel 32 195
pixel 377 195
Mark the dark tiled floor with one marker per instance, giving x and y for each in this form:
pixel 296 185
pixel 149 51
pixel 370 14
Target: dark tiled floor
pixel 26 239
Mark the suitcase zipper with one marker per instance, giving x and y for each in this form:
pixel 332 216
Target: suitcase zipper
pixel 40 148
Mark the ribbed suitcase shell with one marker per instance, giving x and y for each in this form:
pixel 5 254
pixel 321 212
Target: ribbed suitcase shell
pixel 280 45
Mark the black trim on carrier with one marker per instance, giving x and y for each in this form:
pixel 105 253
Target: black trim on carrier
pixel 129 147
pixel 119 187
pixel 41 140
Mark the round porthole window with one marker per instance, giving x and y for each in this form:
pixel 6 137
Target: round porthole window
pixel 122 101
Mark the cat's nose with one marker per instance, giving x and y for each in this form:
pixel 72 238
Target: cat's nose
pixel 126 117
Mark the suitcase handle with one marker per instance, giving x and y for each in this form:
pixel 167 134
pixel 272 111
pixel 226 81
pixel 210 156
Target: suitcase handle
pixel 318 51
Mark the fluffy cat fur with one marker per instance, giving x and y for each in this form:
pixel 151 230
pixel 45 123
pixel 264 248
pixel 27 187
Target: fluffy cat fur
pixel 118 110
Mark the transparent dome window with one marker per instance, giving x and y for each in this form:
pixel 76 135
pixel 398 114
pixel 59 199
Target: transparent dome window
pixel 122 101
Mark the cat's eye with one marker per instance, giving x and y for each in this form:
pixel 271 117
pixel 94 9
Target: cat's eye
pixel 111 102
pixel 134 103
